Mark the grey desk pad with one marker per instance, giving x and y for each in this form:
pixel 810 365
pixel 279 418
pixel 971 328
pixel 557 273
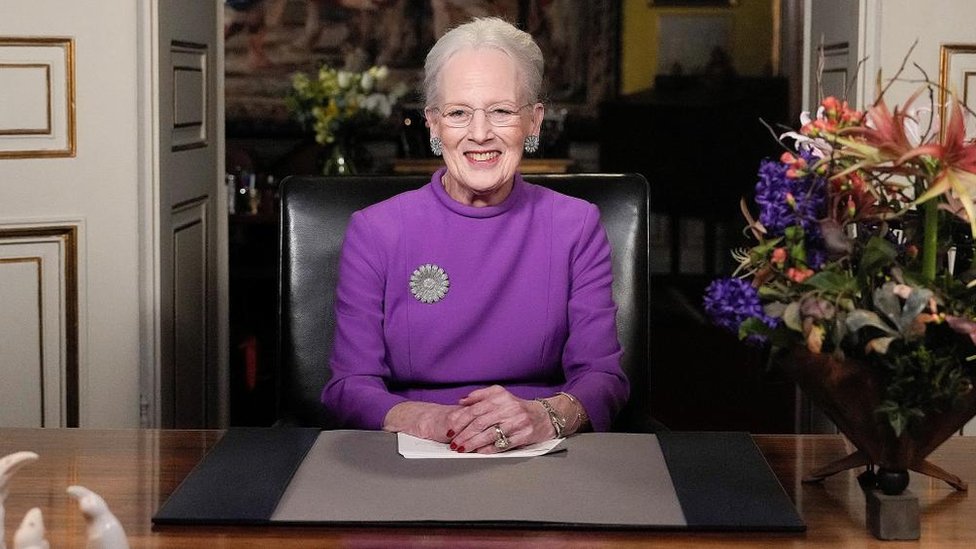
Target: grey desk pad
pixel 602 479
pixel 673 480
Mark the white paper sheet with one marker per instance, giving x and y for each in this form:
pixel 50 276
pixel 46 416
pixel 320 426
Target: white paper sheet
pixel 412 447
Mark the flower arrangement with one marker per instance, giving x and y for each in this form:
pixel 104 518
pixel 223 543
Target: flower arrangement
pixel 336 103
pixel 865 251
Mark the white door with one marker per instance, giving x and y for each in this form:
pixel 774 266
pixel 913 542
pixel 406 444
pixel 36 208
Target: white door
pixel 110 118
pixel 69 213
pixel 191 384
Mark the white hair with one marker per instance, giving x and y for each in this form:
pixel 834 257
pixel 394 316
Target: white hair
pixel 486 32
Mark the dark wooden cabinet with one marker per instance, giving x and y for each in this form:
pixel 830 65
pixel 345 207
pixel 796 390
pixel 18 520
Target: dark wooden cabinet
pixel 699 143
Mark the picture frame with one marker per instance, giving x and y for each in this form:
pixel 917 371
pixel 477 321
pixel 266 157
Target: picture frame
pixel 37 88
pixel 957 72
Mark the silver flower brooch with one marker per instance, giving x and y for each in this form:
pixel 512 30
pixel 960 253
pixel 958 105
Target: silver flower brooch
pixel 429 283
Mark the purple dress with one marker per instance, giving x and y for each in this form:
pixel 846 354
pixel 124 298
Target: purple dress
pixel 528 305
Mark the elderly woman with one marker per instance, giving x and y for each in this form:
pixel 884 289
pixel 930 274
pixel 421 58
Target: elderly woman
pixel 477 310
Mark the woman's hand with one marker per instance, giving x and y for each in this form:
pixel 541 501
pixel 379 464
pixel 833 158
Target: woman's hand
pixel 472 426
pixel 420 419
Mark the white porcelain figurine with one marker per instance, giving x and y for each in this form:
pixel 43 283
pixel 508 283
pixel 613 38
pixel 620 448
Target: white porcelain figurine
pixel 8 466
pixel 104 530
pixel 30 535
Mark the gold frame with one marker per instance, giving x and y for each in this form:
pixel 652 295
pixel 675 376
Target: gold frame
pixel 946 52
pixel 69 236
pixel 68 45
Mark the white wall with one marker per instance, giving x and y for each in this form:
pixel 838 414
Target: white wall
pixel 891 26
pixel 98 190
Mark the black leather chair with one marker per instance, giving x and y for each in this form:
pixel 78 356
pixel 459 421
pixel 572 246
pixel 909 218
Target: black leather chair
pixel 314 214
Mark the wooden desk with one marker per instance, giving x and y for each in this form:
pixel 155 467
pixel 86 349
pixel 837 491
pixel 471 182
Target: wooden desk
pixel 136 470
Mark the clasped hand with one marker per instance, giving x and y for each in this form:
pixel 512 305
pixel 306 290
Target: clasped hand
pixel 470 425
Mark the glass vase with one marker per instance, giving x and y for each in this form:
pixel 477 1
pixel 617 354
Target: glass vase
pixel 341 158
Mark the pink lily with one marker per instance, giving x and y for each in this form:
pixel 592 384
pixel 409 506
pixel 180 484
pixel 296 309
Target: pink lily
pixel 889 132
pixel 956 177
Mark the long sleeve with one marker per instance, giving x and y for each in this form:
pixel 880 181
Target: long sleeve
pixel 591 353
pixel 357 394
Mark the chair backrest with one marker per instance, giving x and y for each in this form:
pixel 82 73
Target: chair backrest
pixel 314 215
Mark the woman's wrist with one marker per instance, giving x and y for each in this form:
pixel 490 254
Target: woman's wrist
pixel 420 419
pixel 565 413
pixel 395 419
pixel 578 419
pixel 556 419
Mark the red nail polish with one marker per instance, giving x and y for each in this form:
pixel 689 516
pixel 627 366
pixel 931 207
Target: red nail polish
pixel 453 446
pixel 460 449
pixel 450 433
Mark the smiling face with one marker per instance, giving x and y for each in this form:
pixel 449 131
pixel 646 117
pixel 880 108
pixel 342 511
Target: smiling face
pixel 482 158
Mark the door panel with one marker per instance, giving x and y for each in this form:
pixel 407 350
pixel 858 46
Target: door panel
pixel 190 314
pixel 834 38
pixel 188 152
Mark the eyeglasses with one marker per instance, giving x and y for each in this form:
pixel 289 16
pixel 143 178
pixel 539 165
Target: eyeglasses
pixel 459 116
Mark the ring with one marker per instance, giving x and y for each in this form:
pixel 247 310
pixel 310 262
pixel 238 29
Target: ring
pixel 501 441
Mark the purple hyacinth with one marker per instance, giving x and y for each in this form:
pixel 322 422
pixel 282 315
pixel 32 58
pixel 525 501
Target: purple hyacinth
pixel 809 199
pixel 816 252
pixel 730 301
pixel 775 211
